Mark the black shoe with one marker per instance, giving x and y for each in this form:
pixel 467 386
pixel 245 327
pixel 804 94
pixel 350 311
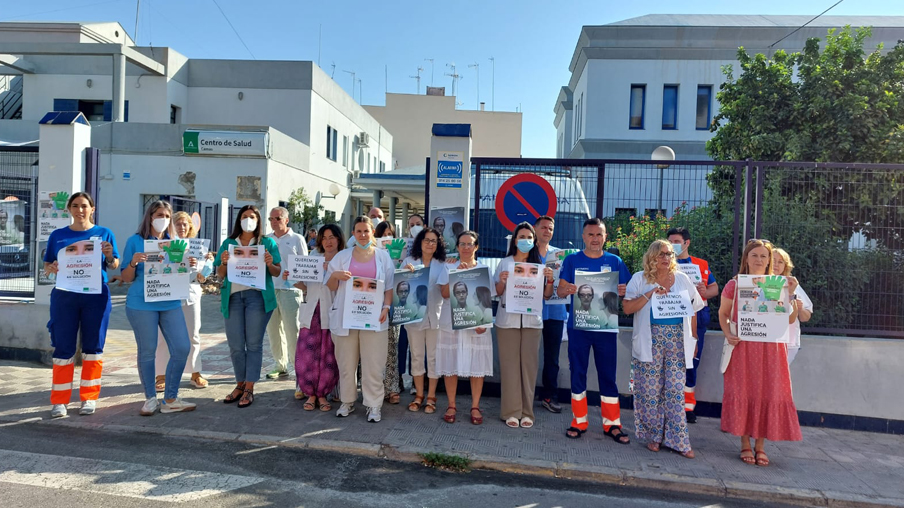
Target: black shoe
pixel 552 406
pixel 691 417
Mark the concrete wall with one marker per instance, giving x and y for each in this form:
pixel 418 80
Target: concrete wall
pixel 410 119
pixel 23 331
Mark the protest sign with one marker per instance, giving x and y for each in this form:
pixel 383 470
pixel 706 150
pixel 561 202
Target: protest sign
pixel 305 268
pixel 674 304
pixel 246 266
pixel 409 296
pixel 197 248
pixel 363 304
pixel 52 213
pixel 80 267
pixel 471 298
pixel 524 289
pixel 692 271
pixel 554 260
pixel 397 248
pixel 449 222
pixel 763 307
pixel 595 305
pixel 166 276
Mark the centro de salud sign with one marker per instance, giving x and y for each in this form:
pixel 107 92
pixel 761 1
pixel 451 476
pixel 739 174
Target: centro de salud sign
pixel 244 144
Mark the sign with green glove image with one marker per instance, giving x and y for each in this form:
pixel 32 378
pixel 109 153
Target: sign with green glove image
pixel 166 276
pixel 396 247
pixel 763 303
pixel 52 213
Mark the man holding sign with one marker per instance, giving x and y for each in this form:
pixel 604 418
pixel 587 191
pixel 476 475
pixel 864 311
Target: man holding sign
pixel 604 342
pixel 698 271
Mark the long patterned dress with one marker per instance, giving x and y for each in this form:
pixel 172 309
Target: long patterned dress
pixel 315 361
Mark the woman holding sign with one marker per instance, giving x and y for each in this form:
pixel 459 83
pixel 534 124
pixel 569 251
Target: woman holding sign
pixel 315 359
pixel 147 317
pixel 245 302
pixel 191 308
pixel 72 313
pixel 392 381
pixel 782 265
pixel 428 250
pixel 519 335
pixel 465 353
pixel 757 401
pixel 664 302
pixel 360 331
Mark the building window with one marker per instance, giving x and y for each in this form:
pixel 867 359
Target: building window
pixel 579 118
pixel 332 142
pixel 638 99
pixel 704 107
pixel 175 114
pixel 670 107
pixel 382 167
pixel 345 151
pixel 368 162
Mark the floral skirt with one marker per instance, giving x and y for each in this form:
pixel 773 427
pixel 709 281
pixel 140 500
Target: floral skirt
pixel 315 360
pixel 659 391
pixel 391 381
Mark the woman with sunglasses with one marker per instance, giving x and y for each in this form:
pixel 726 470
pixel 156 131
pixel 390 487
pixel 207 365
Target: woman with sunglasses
pixel 662 350
pixel 757 401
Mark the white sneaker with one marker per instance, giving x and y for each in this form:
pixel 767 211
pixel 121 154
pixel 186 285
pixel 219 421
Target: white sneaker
pixel 373 414
pixel 88 407
pixel 345 409
pixel 150 407
pixel 58 411
pixel 177 406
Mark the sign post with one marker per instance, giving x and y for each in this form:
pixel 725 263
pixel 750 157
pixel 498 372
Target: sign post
pixel 450 169
pixel 524 198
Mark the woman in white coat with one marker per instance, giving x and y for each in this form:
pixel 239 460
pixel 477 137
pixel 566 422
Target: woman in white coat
pixel 663 348
pixel 368 346
pixel 316 371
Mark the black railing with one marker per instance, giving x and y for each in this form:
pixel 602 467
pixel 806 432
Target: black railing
pixel 18 198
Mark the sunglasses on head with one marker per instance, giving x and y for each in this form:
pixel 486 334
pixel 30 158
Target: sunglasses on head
pixel 764 242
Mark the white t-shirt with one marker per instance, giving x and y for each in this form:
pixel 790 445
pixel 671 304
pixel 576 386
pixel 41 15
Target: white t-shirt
pixel 289 244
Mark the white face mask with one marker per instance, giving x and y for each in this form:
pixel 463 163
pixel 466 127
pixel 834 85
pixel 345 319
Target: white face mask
pixel 249 224
pixel 160 224
pixel 415 230
pixel 376 222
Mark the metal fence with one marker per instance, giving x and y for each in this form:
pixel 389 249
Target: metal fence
pixel 18 198
pixel 843 224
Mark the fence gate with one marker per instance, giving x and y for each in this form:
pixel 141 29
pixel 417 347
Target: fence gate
pixel 18 201
pixel 208 214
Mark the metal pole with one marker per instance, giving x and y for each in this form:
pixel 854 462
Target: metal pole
pixel 739 173
pixel 493 88
pixel 427 191
pixel 137 11
pixel 476 198
pixel 600 189
pixel 747 200
pixel 661 178
pixel 758 218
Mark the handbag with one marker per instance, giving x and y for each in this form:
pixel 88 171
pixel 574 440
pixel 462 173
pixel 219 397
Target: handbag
pixel 733 328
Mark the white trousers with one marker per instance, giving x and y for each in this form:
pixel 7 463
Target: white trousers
pixel 283 329
pixel 193 323
pixel 372 349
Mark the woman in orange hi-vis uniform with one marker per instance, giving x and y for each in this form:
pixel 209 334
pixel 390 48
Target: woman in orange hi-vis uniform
pixel 71 313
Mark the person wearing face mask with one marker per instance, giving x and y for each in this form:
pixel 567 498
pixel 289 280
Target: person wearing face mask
pixel 680 238
pixel 392 381
pixel 603 343
pixel 247 310
pixel 191 307
pixel 147 318
pixel 415 226
pixel 376 217
pixel 519 335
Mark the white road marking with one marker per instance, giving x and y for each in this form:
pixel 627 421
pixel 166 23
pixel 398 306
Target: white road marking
pixel 116 478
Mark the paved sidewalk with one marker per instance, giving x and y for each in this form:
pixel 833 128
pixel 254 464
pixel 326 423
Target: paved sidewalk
pixel 829 468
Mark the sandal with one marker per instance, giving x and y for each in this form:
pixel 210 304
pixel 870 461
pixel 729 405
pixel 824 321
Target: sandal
pixel 476 420
pixel 393 398
pixel 308 405
pixel 198 381
pixel 247 395
pixel 325 406
pixel 160 384
pixel 653 447
pixel 764 461
pixel 574 433
pixel 513 422
pixel 415 405
pixel 526 423
pixel 450 418
pixel 618 437
pixel 687 455
pixel 235 395
pixel 749 460
pixel 430 406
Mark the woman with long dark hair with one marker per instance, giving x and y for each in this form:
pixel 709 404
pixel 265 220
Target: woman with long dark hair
pixel 72 313
pixel 316 370
pixel 519 335
pixel 146 318
pixel 247 310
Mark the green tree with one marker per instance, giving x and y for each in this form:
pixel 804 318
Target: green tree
pixel 303 211
pixel 831 105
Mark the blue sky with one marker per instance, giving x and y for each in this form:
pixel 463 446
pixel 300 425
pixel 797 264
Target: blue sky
pixel 531 40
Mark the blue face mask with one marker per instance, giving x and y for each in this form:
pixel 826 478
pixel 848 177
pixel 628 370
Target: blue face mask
pixel 525 245
pixel 365 245
pixel 207 269
pixel 677 247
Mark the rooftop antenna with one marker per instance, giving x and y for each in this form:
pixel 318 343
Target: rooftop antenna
pixel 431 69
pixel 360 92
pixel 493 88
pixel 455 77
pixel 333 72
pixel 319 44
pixel 476 65
pixel 353 82
pixel 418 78
pixel 137 11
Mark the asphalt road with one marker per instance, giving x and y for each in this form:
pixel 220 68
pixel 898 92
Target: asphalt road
pixel 44 466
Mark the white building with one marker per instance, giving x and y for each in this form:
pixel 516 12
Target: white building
pixel 140 101
pixel 649 81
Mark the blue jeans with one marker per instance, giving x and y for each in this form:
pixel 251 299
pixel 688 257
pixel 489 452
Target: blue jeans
pixel 245 329
pixel 145 324
pixel 552 344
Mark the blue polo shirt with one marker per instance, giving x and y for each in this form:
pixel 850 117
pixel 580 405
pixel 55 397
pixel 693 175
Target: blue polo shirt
pixel 63 237
pixel 580 262
pixel 135 298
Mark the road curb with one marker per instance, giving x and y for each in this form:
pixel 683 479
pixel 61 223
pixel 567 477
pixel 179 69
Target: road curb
pixel 667 482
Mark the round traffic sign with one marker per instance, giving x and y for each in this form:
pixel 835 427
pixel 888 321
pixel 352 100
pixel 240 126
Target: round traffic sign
pixel 524 197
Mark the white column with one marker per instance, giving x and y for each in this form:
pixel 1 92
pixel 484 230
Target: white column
pixel 119 88
pixel 444 197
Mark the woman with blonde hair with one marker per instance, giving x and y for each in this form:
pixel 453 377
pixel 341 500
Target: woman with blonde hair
pixel 663 349
pixel 782 265
pixel 191 307
pixel 757 401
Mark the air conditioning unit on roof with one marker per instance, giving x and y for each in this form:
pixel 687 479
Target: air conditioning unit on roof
pixel 363 139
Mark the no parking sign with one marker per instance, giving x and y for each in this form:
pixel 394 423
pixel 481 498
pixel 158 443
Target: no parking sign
pixel 524 198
